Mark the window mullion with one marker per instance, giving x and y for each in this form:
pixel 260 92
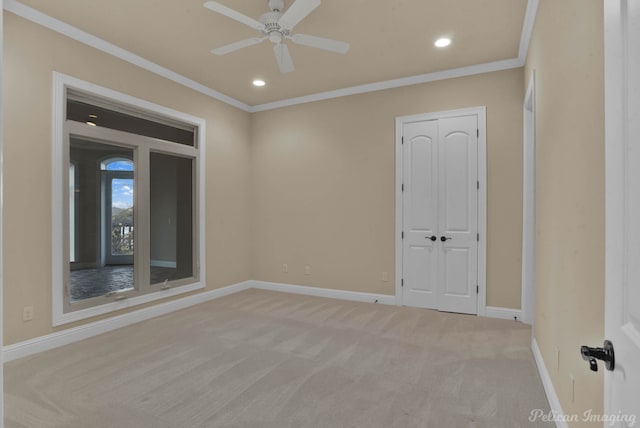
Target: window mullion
pixel 143 261
pixel 66 280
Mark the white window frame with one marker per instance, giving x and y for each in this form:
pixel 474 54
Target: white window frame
pixel 62 83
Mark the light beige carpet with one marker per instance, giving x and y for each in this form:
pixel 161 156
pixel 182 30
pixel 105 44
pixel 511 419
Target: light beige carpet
pixel 274 360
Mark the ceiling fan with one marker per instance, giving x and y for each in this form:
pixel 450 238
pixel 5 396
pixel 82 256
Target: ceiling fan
pixel 277 26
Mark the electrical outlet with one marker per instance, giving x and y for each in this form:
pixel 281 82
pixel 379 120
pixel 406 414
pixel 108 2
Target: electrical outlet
pixel 27 313
pixel 307 270
pixel 285 268
pixel 385 276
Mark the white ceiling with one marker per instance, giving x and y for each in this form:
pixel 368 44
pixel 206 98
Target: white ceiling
pixel 390 39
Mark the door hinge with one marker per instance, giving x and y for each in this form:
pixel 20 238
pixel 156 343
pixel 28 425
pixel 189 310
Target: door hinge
pixel 478 133
pixel 478 185
pixel 477 289
pixel 402 282
pixel 402 236
pixel 478 237
pixel 402 140
pixel 403 187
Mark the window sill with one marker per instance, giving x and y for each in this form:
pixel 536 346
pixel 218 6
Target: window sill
pixel 82 314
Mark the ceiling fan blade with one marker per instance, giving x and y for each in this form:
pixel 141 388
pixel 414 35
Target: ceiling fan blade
pixel 320 43
pixel 230 13
pixel 297 12
pixel 283 57
pixel 222 50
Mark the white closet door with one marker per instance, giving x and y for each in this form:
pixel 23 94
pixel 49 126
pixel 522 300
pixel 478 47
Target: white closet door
pixel 420 251
pixel 440 201
pixel 458 214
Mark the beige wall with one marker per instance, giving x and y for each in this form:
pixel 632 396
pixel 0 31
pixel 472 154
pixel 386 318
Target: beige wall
pixel 31 53
pixel 304 185
pixel 566 53
pixel 314 184
pixel 324 176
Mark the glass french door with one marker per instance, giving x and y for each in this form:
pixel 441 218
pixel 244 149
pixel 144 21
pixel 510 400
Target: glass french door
pixel 118 217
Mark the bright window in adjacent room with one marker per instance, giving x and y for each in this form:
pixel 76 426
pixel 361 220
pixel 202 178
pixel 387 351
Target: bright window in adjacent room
pixel 130 204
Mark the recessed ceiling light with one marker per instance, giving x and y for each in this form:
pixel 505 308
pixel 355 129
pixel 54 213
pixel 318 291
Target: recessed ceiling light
pixel 259 83
pixel 91 123
pixel 93 116
pixel 443 42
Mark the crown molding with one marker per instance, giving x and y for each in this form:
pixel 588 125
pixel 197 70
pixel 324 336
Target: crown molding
pixel 525 38
pixel 527 29
pixel 74 33
pixel 395 83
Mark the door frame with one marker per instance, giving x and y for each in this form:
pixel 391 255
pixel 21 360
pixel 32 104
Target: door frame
pixel 616 145
pixel 527 304
pixel 1 215
pixel 481 113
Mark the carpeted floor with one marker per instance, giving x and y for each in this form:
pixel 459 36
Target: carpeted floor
pixel 274 360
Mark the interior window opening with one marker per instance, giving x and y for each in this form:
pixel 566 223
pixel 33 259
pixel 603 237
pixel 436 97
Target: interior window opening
pixel 129 221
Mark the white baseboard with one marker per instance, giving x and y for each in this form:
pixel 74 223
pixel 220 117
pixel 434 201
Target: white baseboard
pixel 552 396
pixel 326 292
pixel 75 334
pixel 83 265
pixel 503 313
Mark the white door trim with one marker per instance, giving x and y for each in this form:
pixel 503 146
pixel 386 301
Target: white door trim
pixel 1 212
pixel 480 112
pixel 621 241
pixel 529 202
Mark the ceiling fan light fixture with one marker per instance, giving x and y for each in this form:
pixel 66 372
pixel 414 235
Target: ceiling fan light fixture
pixel 275 37
pixel 259 83
pixel 442 42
